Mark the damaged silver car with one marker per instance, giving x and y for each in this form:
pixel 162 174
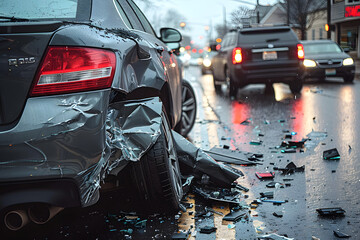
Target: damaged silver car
pixel 87 89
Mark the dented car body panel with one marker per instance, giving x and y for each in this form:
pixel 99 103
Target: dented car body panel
pixel 79 138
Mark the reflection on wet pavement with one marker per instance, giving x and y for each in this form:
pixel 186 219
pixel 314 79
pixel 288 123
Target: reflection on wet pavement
pixel 327 107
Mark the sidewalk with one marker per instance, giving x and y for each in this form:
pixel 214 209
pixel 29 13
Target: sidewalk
pixel 357 69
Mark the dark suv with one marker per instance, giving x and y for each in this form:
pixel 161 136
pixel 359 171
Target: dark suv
pixel 259 55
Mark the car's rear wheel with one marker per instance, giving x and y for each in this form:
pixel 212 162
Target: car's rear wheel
pixel 349 79
pixel 231 86
pixel 296 85
pixel 156 176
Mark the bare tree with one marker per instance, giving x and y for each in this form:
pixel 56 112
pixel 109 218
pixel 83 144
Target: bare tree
pixel 304 13
pixel 173 19
pixel 238 14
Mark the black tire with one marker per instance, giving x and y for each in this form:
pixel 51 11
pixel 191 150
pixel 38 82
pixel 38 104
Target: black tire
pixel 156 176
pixel 231 86
pixel 349 79
pixel 296 86
pixel 189 108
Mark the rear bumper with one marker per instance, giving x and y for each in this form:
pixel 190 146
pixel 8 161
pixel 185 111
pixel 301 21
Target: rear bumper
pixel 343 71
pixel 57 137
pixel 271 73
pixel 56 192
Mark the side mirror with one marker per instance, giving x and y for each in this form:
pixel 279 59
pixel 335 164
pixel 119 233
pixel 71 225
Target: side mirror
pixel 170 35
pixel 347 50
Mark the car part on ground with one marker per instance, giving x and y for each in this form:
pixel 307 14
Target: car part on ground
pixel 259 55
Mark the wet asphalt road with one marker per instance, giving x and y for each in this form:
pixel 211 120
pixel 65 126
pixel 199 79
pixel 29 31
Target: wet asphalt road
pixel 331 107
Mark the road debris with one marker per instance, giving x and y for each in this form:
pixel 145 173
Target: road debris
pixel 290 168
pixel 278 214
pixel 266 175
pixel 331 211
pixel 274 236
pixel 207 229
pixel 234 216
pixel 331 154
pixel 341 234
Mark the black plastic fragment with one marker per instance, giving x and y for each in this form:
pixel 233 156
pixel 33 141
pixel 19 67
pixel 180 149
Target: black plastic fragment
pixel 234 216
pixel 291 168
pixel 331 154
pixel 278 214
pixel 341 235
pixel 331 211
pixel 267 194
pixel 207 229
pixel 246 122
pixel 180 235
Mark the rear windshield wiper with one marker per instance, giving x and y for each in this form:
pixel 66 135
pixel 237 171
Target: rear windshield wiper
pixel 15 19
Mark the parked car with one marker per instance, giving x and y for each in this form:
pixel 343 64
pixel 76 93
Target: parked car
pixel 259 55
pixel 325 58
pixel 79 80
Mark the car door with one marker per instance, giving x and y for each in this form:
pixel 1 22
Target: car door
pixel 165 55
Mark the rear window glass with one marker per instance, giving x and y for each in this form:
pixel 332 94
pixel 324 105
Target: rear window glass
pixel 39 9
pixel 266 36
pixel 316 48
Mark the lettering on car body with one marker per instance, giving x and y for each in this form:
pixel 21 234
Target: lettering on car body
pixel 21 61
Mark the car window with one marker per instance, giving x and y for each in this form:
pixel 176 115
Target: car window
pixel 321 48
pixel 143 20
pixel 123 15
pixel 44 9
pixel 267 36
pixel 133 19
pixel 225 41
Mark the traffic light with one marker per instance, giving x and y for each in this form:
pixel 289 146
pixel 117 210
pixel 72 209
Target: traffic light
pixel 182 25
pixel 329 27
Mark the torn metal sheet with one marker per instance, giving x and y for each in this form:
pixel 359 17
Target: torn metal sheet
pixel 232 156
pixel 194 161
pixel 134 126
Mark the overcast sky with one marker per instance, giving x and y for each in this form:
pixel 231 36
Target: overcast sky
pixel 198 13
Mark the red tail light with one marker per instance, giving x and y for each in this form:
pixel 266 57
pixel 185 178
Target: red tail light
pixel 237 56
pixel 300 52
pixel 74 69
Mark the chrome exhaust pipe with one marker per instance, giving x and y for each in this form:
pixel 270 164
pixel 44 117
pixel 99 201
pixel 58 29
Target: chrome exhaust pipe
pixel 16 219
pixel 41 214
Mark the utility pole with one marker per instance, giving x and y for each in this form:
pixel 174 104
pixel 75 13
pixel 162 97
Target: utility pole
pixel 224 15
pixel 257 12
pixel 329 18
pixel 288 12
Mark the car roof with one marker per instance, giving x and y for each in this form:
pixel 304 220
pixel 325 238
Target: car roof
pixel 255 29
pixel 316 41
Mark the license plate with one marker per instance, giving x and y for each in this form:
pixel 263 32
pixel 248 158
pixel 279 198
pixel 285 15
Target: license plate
pixel 330 71
pixel 269 55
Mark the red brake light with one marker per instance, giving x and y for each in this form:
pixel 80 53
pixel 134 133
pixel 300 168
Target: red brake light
pixel 74 69
pixel 300 52
pixel 237 56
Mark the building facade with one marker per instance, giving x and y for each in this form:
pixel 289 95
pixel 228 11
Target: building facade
pixel 345 15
